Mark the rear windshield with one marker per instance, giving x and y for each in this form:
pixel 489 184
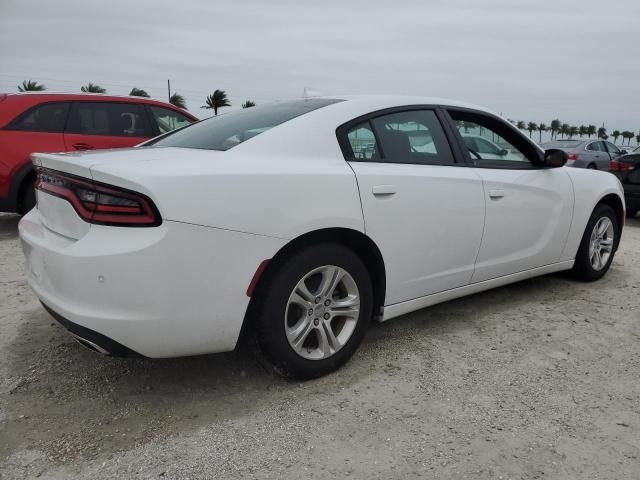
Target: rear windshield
pixel 562 144
pixel 228 130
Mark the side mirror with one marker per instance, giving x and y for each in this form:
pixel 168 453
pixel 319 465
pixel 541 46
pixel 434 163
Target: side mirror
pixel 623 152
pixel 554 158
pixel 503 152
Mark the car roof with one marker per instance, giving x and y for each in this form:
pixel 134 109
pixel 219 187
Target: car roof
pixel 389 101
pixel 33 98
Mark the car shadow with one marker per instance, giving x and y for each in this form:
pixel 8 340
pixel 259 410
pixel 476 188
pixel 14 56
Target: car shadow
pixel 66 392
pixel 8 226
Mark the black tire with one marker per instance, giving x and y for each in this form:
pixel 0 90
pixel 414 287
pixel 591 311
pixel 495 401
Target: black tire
pixel 632 213
pixel 592 166
pixel 268 322
pixel 582 269
pixel 27 199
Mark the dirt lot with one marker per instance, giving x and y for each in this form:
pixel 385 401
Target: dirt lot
pixel 536 380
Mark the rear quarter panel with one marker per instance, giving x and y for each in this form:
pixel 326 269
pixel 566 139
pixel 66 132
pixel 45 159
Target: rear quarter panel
pixel 281 196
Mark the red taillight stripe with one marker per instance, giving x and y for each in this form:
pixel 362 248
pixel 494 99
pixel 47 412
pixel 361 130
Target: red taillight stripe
pixel 137 211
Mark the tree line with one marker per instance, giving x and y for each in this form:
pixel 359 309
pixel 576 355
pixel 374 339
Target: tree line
pixel 566 131
pixel 218 99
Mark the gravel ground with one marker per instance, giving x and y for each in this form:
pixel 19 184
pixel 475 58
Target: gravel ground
pixel 540 379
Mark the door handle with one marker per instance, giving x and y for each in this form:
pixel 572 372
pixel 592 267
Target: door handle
pixel 496 194
pixel 82 146
pixel 381 190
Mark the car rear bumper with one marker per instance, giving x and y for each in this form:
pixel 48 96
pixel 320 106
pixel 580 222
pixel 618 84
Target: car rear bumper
pixel 173 290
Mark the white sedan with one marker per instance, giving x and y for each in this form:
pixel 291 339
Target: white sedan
pixel 299 222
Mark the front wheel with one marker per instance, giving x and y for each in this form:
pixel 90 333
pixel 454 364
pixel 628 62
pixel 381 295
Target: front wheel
pixel 313 314
pixel 598 245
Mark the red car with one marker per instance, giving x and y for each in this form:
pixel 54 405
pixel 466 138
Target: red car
pixel 61 122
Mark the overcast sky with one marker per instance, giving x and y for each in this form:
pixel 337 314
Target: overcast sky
pixel 530 60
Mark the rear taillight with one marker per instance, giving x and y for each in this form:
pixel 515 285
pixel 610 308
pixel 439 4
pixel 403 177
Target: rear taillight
pixel 572 156
pixel 616 166
pixel 98 203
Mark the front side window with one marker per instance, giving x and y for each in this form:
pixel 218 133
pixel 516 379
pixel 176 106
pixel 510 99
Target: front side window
pixel 105 118
pixel 167 119
pixel 226 131
pixel 491 143
pixel 49 117
pixel 612 148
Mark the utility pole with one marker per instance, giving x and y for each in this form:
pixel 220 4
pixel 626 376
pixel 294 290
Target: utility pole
pixel 169 88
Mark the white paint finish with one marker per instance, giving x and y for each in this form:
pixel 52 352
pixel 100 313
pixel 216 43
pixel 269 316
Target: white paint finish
pixel 179 289
pixel 527 220
pixel 429 231
pixel 392 311
pixel 589 187
pixel 173 290
pixel 59 216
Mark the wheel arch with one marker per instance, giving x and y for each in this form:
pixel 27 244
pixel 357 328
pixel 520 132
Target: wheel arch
pixel 358 242
pixel 615 202
pixel 19 182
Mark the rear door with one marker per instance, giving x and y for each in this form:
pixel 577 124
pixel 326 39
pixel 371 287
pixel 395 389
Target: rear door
pixel 37 129
pixel 528 208
pixel 423 210
pixel 96 125
pixel 596 155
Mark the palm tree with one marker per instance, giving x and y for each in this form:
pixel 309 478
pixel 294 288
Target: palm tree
pixel 582 130
pixel 138 92
pixel 638 139
pixel 573 131
pixel 591 130
pixel 31 86
pixel 627 134
pixel 216 100
pixel 555 127
pixel 178 100
pixel 521 125
pixel 532 127
pixel 249 104
pixel 615 135
pixel 602 133
pixel 93 88
pixel 564 129
pixel 542 128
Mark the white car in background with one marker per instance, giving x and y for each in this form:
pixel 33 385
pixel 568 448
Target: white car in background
pixel 489 150
pixel 299 222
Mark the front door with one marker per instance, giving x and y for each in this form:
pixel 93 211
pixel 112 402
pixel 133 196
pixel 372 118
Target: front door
pixel 528 208
pixel 424 211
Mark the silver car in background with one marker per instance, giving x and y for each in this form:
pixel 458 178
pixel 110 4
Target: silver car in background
pixel 590 153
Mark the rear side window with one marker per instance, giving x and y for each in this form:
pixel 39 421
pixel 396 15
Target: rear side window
pixel 168 120
pixel 106 118
pixel 49 117
pixel 596 147
pixel 228 130
pixel 413 136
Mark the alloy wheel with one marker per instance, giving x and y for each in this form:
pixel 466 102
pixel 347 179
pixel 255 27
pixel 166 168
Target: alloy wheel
pixel 322 312
pixel 601 243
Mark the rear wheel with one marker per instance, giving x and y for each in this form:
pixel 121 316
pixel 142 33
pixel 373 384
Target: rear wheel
pixel 592 166
pixel 598 245
pixel 313 315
